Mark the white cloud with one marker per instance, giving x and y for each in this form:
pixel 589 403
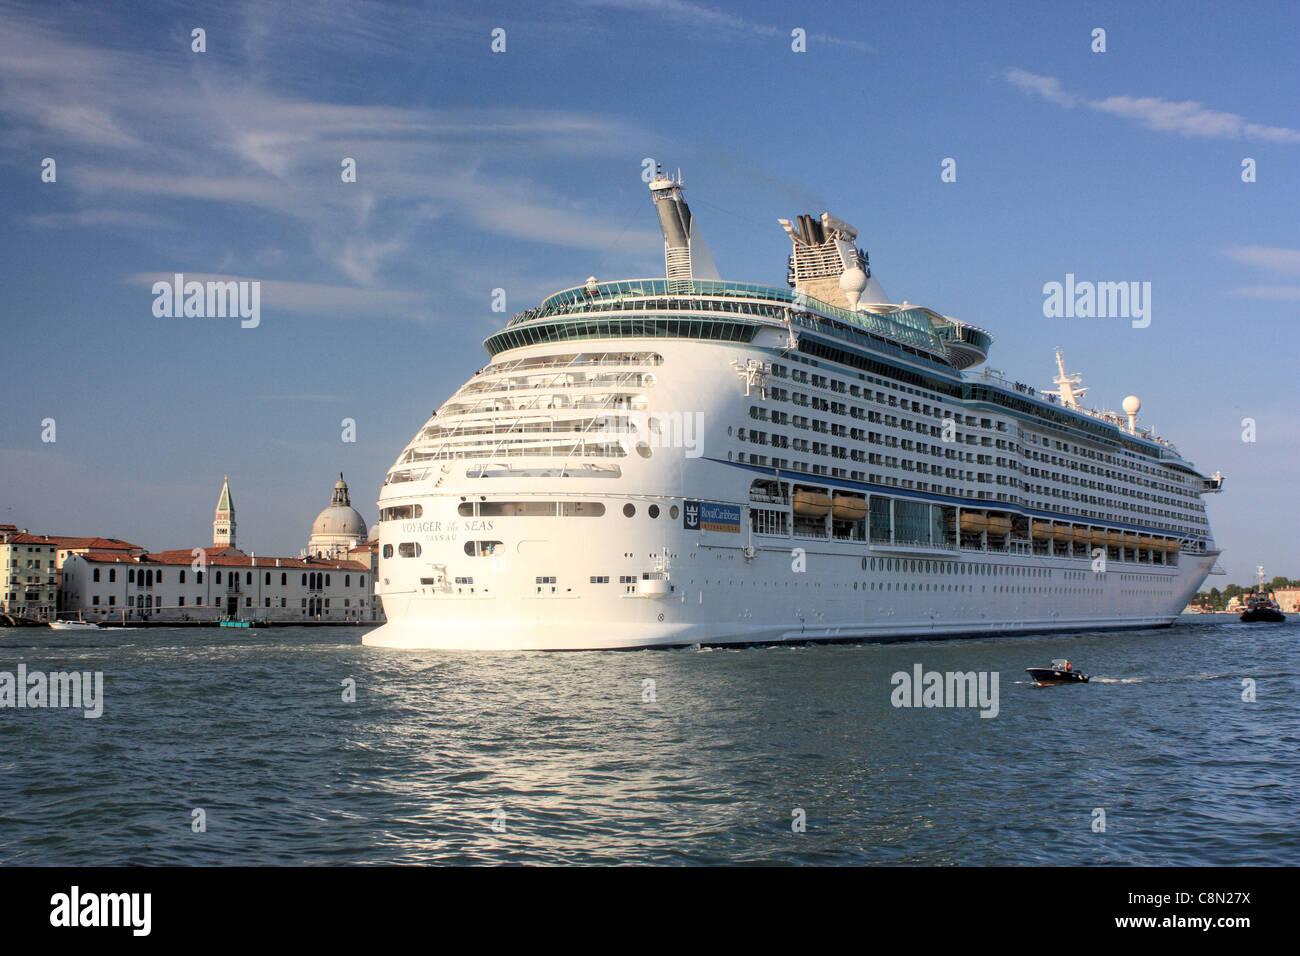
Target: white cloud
pixel 699 16
pixel 232 143
pixel 1187 118
pixel 308 298
pixel 1275 293
pixel 1048 87
pixel 1271 258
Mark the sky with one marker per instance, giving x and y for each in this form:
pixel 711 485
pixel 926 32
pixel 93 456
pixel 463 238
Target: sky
pixel 521 170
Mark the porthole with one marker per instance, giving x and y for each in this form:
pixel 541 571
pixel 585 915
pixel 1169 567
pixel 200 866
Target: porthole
pixel 673 513
pixel 654 511
pixel 629 509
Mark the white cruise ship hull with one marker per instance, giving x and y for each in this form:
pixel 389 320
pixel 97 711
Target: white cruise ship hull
pixel 671 462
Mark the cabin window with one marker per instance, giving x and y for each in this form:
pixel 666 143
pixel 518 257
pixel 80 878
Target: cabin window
pixel 409 549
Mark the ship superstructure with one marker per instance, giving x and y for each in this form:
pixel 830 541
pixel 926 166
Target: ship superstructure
pixel 658 462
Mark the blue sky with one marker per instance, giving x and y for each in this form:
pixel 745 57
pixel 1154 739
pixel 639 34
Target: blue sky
pixel 522 170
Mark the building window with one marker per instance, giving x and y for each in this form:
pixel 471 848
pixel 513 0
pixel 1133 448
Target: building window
pixel 327 580
pixel 248 577
pixel 112 575
pixel 268 577
pixel 112 600
pixel 218 577
pixel 181 601
pixel 94 599
pixel 130 575
pixel 181 579
pixel 284 579
pixel 347 580
pixel 268 602
pixel 304 584
pixel 95 576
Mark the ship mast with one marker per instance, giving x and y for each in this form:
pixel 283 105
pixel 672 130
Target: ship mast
pixel 1069 388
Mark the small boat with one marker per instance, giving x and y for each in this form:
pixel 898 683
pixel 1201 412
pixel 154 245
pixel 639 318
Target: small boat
pixel 242 622
pixel 1061 672
pixel 74 626
pixel 1260 608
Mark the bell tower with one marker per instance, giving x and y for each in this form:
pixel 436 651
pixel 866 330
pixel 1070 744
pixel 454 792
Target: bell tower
pixel 223 527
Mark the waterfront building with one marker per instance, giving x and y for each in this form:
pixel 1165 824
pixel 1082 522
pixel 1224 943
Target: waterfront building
pixel 31 568
pixel 126 585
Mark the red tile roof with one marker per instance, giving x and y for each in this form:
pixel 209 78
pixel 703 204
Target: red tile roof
pixel 225 558
pixel 66 542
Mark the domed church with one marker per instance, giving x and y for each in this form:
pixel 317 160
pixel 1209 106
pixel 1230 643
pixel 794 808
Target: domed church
pixel 339 528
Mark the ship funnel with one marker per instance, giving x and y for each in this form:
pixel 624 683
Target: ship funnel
pixel 826 263
pixel 686 257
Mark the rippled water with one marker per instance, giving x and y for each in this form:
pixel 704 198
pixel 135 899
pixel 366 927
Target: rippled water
pixel 564 750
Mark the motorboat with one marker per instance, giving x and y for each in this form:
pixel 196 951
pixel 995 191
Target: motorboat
pixel 74 626
pixel 1061 672
pixel 1260 608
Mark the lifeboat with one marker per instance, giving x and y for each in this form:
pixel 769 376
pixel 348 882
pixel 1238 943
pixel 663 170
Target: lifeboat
pixel 848 508
pixel 1098 536
pixel 1082 535
pixel 973 521
pixel 811 504
pixel 1130 540
pixel 1171 544
pixel 999 525
pixel 1062 532
pixel 1115 539
pixel 1146 543
pixel 1042 530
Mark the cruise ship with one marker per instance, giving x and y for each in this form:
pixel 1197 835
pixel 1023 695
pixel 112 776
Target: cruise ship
pixel 684 460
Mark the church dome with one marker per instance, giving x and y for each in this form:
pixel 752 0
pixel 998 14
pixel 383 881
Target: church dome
pixel 340 519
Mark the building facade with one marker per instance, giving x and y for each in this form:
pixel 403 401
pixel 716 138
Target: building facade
pixel 31 568
pixel 205 584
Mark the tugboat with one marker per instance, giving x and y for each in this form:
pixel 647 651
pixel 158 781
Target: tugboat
pixel 1260 608
pixel 1061 672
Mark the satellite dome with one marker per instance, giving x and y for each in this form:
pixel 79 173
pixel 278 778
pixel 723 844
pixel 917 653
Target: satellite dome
pixel 852 281
pixel 1132 405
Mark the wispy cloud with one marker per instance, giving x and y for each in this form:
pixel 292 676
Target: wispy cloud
pixel 1270 258
pixel 309 298
pixel 237 150
pixel 700 17
pixel 1275 259
pixel 1187 118
pixel 1275 293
